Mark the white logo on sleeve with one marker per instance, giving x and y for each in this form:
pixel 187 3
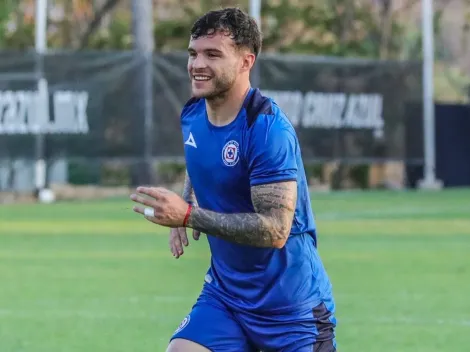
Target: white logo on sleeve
pixel 183 324
pixel 230 153
pixel 208 278
pixel 190 141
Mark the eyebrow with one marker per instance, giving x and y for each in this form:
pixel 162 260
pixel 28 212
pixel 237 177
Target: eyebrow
pixel 207 50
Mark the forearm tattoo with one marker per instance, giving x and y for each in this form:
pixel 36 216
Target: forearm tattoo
pixel 188 191
pixel 270 224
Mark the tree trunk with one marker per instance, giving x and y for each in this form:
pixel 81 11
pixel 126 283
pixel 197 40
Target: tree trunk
pixel 386 21
pixel 95 23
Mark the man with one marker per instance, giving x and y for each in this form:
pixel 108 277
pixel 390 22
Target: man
pixel 266 288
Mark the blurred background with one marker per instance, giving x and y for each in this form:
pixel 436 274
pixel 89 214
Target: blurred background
pixel 90 97
pixel 85 103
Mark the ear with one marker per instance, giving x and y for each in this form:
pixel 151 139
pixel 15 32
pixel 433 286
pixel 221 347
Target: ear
pixel 248 60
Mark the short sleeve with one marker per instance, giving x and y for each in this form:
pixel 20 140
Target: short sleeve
pixel 189 108
pixel 272 151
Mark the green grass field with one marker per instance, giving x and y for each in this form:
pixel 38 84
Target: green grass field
pixel 96 277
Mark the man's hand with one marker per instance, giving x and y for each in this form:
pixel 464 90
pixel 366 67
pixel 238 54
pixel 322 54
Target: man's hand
pixel 178 239
pixel 169 208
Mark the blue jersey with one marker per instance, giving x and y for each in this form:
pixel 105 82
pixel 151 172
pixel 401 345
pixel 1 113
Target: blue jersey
pixel 260 146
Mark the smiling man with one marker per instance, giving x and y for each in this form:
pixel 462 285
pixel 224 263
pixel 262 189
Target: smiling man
pixel 266 288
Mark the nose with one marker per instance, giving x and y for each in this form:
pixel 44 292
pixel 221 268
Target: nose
pixel 199 62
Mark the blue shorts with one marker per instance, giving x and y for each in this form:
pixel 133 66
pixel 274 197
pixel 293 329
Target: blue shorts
pixel 212 324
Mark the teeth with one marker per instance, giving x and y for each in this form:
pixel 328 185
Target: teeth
pixel 201 78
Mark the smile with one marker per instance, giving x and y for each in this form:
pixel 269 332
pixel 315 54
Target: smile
pixel 201 78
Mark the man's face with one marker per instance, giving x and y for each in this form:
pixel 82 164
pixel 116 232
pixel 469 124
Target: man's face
pixel 213 65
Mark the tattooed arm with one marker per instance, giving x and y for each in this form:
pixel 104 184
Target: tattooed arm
pixel 178 235
pixel 188 191
pixel 269 226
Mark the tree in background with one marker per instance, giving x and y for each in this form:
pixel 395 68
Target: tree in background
pixel 385 29
pixel 6 8
pixel 333 27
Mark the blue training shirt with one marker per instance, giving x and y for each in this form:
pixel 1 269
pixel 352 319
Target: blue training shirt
pixel 260 146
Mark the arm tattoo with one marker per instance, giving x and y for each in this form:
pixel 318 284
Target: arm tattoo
pixel 188 191
pixel 269 226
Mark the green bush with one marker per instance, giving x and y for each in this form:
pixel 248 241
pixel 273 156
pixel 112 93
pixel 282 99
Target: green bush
pixel 169 172
pixel 115 175
pixel 359 174
pixel 314 170
pixel 80 173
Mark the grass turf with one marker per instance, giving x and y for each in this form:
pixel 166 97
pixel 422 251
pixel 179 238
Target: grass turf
pixel 95 277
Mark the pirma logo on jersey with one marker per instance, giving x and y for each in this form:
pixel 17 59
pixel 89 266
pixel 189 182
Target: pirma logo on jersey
pixel 183 324
pixel 230 153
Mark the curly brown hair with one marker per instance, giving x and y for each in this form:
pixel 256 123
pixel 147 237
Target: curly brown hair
pixel 241 27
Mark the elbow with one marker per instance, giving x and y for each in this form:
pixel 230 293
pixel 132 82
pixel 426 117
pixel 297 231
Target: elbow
pixel 279 244
pixel 277 232
pixel 280 241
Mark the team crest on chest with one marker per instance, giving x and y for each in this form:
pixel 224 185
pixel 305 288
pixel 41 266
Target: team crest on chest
pixel 231 153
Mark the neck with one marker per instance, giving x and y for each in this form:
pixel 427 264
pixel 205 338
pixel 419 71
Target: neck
pixel 224 109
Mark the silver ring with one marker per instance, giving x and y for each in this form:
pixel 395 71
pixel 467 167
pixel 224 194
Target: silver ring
pixel 149 212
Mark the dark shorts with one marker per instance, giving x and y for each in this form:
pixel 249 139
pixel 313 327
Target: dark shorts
pixel 213 325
